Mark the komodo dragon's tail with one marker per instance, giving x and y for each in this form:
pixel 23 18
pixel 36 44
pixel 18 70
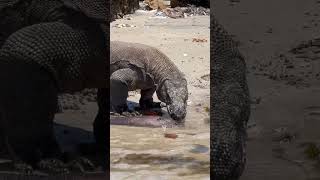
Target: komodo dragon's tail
pixel 230 107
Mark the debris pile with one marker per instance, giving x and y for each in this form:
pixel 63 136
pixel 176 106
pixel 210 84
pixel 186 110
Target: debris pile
pixel 182 12
pixel 164 10
pixel 123 25
pixel 155 4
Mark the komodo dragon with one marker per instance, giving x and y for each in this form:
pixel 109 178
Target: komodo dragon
pixel 230 106
pixel 48 47
pixel 138 66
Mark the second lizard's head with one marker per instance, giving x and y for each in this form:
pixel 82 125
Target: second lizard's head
pixel 175 94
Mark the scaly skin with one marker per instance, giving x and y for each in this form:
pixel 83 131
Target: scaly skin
pixel 47 47
pixel 137 66
pixel 230 106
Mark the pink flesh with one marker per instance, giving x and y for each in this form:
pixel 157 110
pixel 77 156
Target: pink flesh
pixel 142 121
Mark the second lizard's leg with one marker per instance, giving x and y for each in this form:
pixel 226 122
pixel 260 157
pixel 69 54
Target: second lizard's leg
pixel 101 124
pixel 30 98
pixel 30 59
pixel 121 81
pixel 101 121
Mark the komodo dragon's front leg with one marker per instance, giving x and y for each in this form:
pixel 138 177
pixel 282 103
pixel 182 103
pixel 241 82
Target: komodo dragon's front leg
pixel 119 89
pixel 101 124
pixel 146 100
pixel 124 80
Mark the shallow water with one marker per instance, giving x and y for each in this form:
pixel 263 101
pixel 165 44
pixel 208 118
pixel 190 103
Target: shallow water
pixel 144 153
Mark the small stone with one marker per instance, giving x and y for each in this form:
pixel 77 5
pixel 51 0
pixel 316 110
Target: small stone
pixel 170 135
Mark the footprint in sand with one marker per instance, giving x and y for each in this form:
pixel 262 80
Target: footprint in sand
pixel 313 111
pixel 311 123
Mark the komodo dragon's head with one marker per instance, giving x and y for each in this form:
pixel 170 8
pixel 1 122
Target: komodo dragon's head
pixel 175 94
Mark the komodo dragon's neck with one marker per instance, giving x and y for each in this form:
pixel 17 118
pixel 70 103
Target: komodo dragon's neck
pixel 162 68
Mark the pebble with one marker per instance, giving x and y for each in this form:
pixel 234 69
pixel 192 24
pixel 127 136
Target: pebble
pixel 170 135
pixel 197 148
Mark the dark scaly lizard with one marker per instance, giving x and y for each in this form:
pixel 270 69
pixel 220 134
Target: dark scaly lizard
pixel 48 47
pixel 138 66
pixel 230 106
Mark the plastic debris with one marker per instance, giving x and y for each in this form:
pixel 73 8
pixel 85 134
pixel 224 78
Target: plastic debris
pixel 123 25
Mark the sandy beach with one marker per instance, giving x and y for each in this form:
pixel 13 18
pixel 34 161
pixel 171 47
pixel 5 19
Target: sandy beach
pixel 144 153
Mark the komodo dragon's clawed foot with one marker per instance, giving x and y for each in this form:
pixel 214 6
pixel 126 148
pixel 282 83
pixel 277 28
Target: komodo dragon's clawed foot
pixel 120 108
pixel 18 164
pixel 92 156
pixel 53 166
pixel 23 168
pixel 130 113
pixel 81 164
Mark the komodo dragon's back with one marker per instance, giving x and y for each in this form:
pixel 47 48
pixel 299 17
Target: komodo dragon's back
pixel 230 106
pixel 25 14
pixel 122 54
pixel 96 9
pixel 148 58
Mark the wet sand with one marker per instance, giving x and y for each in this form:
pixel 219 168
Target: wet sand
pixel 284 84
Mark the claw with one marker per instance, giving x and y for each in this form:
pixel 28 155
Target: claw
pixel 53 165
pixel 87 163
pixel 120 108
pixel 23 168
pixel 18 165
pixel 82 164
